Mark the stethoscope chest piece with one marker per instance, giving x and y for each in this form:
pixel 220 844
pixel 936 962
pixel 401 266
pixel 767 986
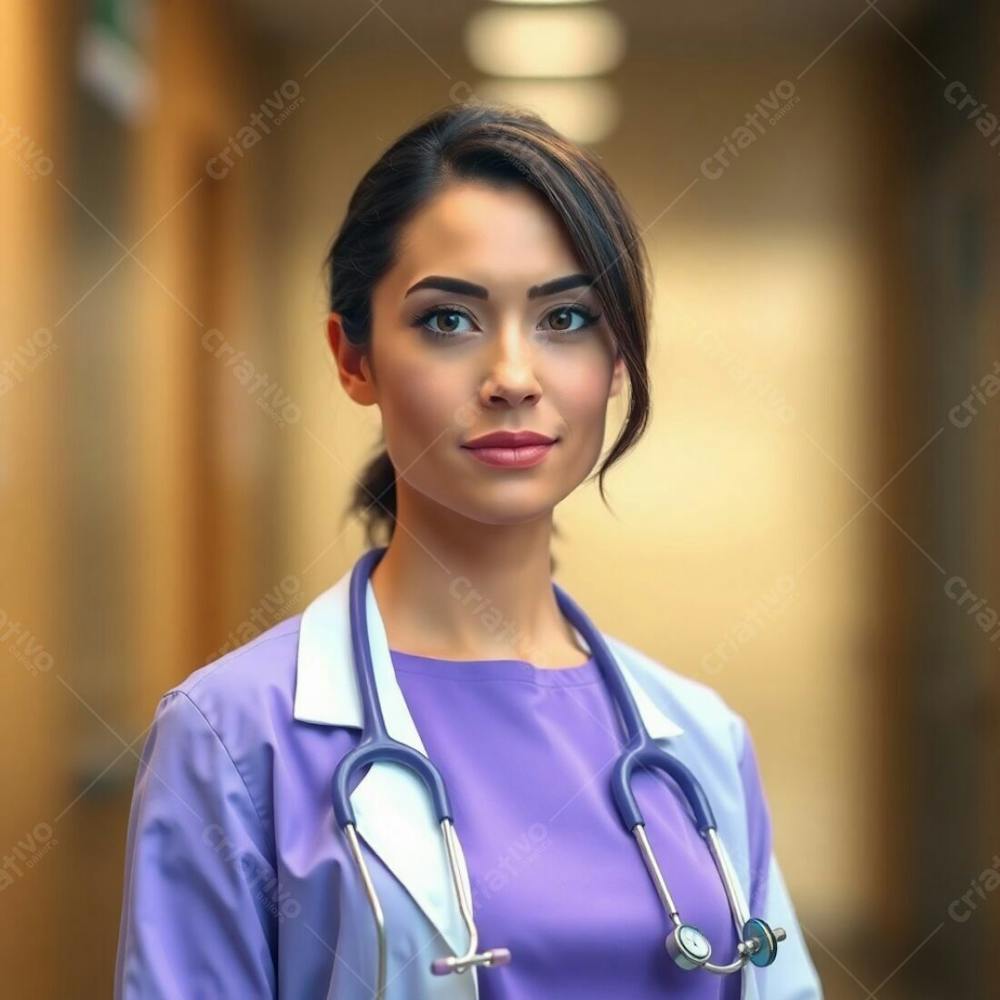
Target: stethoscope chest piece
pixel 757 932
pixel 688 947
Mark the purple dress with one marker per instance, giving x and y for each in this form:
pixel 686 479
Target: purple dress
pixel 526 753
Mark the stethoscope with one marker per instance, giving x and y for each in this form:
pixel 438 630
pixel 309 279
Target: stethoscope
pixel 686 945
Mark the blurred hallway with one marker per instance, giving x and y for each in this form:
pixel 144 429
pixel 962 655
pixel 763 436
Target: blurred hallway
pixel 812 504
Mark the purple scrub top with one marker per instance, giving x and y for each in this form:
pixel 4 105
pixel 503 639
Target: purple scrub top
pixel 233 859
pixel 526 753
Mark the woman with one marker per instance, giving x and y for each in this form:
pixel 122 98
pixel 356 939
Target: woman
pixel 489 295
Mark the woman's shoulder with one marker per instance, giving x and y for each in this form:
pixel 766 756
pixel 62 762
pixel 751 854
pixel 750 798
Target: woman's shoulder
pixel 263 663
pixel 245 694
pixel 219 731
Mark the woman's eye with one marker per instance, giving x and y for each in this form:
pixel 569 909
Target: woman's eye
pixel 449 326
pixel 563 316
pixel 443 323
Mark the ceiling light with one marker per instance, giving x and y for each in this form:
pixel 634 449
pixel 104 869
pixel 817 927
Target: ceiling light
pixel 545 42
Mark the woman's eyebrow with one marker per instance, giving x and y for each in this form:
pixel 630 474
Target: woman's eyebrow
pixel 459 286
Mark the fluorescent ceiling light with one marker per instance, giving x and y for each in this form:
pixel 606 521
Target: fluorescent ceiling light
pixel 548 42
pixel 540 3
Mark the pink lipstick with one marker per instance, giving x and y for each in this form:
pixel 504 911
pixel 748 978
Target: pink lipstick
pixel 510 449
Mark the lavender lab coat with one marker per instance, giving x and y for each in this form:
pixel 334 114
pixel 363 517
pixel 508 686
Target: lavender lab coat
pixel 239 884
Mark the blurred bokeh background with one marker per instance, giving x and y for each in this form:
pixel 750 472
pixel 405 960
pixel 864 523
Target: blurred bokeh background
pixel 809 524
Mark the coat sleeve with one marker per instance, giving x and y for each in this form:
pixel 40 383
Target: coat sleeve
pixel 792 975
pixel 198 916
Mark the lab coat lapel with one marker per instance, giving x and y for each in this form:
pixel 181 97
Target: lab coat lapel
pixel 392 807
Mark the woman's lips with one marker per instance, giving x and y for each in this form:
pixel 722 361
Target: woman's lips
pixel 522 457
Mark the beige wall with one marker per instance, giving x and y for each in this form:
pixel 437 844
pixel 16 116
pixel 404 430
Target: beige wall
pixel 127 426
pixel 197 488
pixel 29 484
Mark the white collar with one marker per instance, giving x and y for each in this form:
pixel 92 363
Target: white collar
pixel 326 689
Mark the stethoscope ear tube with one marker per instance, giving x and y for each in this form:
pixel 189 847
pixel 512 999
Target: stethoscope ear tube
pixel 375 746
pixel 645 752
pixel 687 945
pixel 376 750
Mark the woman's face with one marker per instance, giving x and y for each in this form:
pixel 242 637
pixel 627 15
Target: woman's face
pixel 465 342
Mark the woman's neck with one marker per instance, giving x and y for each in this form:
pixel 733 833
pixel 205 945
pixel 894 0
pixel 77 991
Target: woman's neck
pixel 480 593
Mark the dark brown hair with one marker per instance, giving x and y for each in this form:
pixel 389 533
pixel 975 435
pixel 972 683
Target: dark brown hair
pixel 499 145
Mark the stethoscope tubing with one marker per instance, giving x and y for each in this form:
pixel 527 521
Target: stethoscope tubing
pixel 686 944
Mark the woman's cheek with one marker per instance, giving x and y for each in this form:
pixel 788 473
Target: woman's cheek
pixel 425 408
pixel 580 382
pixel 580 395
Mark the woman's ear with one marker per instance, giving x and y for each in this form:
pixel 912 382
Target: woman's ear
pixel 353 367
pixel 617 375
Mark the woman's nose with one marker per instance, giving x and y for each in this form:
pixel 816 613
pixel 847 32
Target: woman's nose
pixel 512 377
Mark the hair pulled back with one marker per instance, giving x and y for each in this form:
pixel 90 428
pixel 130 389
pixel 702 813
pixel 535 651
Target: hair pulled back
pixel 503 146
